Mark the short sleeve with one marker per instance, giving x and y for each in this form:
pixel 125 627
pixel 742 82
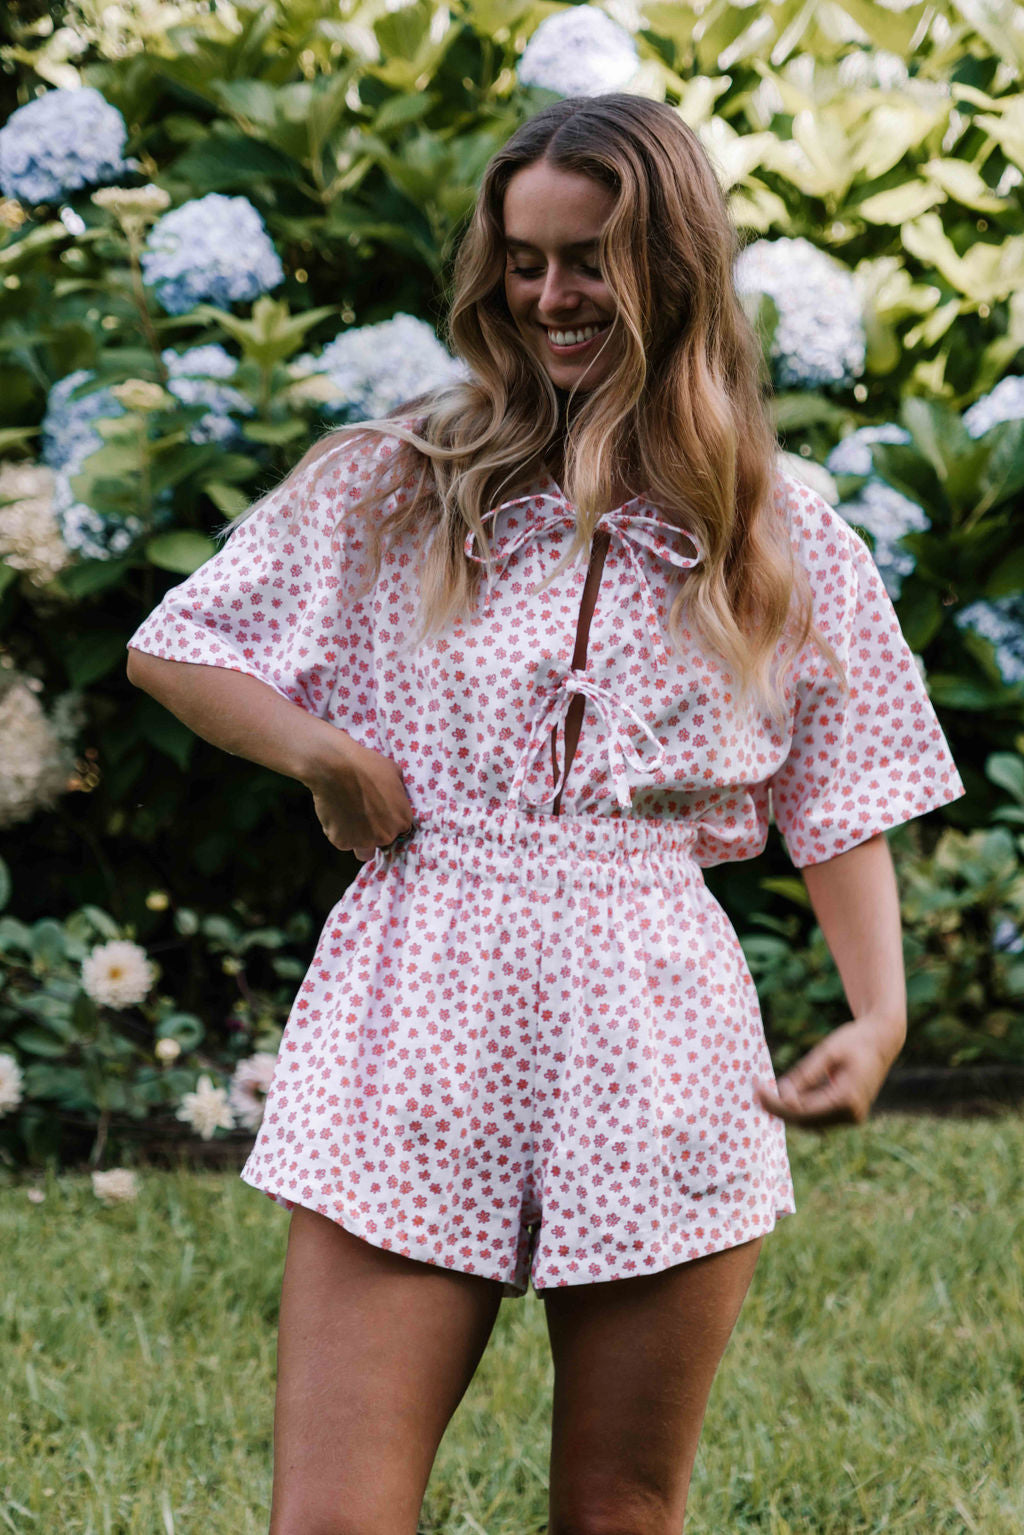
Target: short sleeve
pixel 863 762
pixel 269 602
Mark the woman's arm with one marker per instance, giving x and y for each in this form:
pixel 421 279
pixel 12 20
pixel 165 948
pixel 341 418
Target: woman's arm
pixel 856 902
pixel 242 716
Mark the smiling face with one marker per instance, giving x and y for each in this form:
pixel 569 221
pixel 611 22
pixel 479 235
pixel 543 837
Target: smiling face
pixel 557 297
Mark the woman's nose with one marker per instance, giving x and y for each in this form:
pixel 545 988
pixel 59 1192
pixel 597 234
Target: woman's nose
pixel 558 293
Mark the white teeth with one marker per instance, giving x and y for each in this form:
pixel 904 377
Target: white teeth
pixel 573 337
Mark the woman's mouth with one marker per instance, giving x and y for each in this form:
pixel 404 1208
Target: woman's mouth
pixel 574 340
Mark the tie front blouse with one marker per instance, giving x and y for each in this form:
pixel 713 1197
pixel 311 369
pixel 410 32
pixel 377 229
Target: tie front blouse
pixel 468 714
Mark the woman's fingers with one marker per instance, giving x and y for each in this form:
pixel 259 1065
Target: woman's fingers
pixel 826 1088
pixel 825 1104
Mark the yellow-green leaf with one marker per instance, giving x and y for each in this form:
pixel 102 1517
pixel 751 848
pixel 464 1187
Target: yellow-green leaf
pixel 898 204
pixel 963 183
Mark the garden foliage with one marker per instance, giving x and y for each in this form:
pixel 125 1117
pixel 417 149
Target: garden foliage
pixel 224 227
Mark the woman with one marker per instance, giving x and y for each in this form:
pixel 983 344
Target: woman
pixel 528 1045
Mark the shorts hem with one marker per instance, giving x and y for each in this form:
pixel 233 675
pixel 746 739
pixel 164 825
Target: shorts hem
pixel 508 1280
pixel 583 1274
pixel 515 1282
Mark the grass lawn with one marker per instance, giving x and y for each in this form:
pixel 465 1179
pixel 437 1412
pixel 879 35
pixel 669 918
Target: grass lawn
pixel 875 1380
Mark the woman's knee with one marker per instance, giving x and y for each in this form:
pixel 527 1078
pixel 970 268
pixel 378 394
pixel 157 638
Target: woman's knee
pixel 625 1513
pixel 303 1517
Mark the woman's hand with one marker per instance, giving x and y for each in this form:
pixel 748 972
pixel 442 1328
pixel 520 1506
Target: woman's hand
pixel 359 799
pixel 837 1082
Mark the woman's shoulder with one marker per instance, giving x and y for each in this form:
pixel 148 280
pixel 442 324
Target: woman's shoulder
pixel 818 532
pixel 339 471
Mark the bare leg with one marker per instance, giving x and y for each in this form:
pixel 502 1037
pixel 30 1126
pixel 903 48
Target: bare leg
pixel 634 1362
pixel 374 1354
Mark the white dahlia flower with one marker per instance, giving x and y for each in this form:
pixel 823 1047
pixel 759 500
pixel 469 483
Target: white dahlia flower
pixel 117 974
pixel 206 1109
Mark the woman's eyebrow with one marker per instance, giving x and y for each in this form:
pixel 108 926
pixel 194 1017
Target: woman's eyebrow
pixel 576 245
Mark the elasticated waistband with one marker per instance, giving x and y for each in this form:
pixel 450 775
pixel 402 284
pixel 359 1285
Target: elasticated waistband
pixel 526 836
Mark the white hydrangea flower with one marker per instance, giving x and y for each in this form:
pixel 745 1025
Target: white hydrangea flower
pixel 249 1087
pixel 117 974
pixel 1001 622
pixel 167 1049
pixel 884 512
pixel 116 1186
pixel 10 1083
pixel 579 51
pixel 376 368
pixel 1003 403
pixel 30 538
pixel 819 341
pixel 36 766
pixel 206 1109
pixel 887 515
pixel 853 454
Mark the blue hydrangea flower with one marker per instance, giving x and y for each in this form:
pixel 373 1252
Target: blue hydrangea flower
pixel 1003 403
pixel 884 512
pixel 1000 621
pixel 193 381
pixel 819 341
pixel 1006 937
pixel 60 142
pixel 379 367
pixel 578 52
pixel 213 248
pixel 68 435
pixel 85 531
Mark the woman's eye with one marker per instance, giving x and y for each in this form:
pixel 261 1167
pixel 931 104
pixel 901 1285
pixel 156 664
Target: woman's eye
pixel 534 271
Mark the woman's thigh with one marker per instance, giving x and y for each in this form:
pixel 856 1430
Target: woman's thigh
pixel 374 1354
pixel 634 1362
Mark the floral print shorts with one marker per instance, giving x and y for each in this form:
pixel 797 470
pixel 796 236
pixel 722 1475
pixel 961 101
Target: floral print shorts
pixel 526 1049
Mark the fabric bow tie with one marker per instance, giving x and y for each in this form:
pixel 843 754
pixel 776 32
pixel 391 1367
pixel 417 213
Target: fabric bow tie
pixel 627 526
pixel 621 751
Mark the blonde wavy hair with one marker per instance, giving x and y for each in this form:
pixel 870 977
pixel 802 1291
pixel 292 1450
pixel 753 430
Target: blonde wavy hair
pixel 682 415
